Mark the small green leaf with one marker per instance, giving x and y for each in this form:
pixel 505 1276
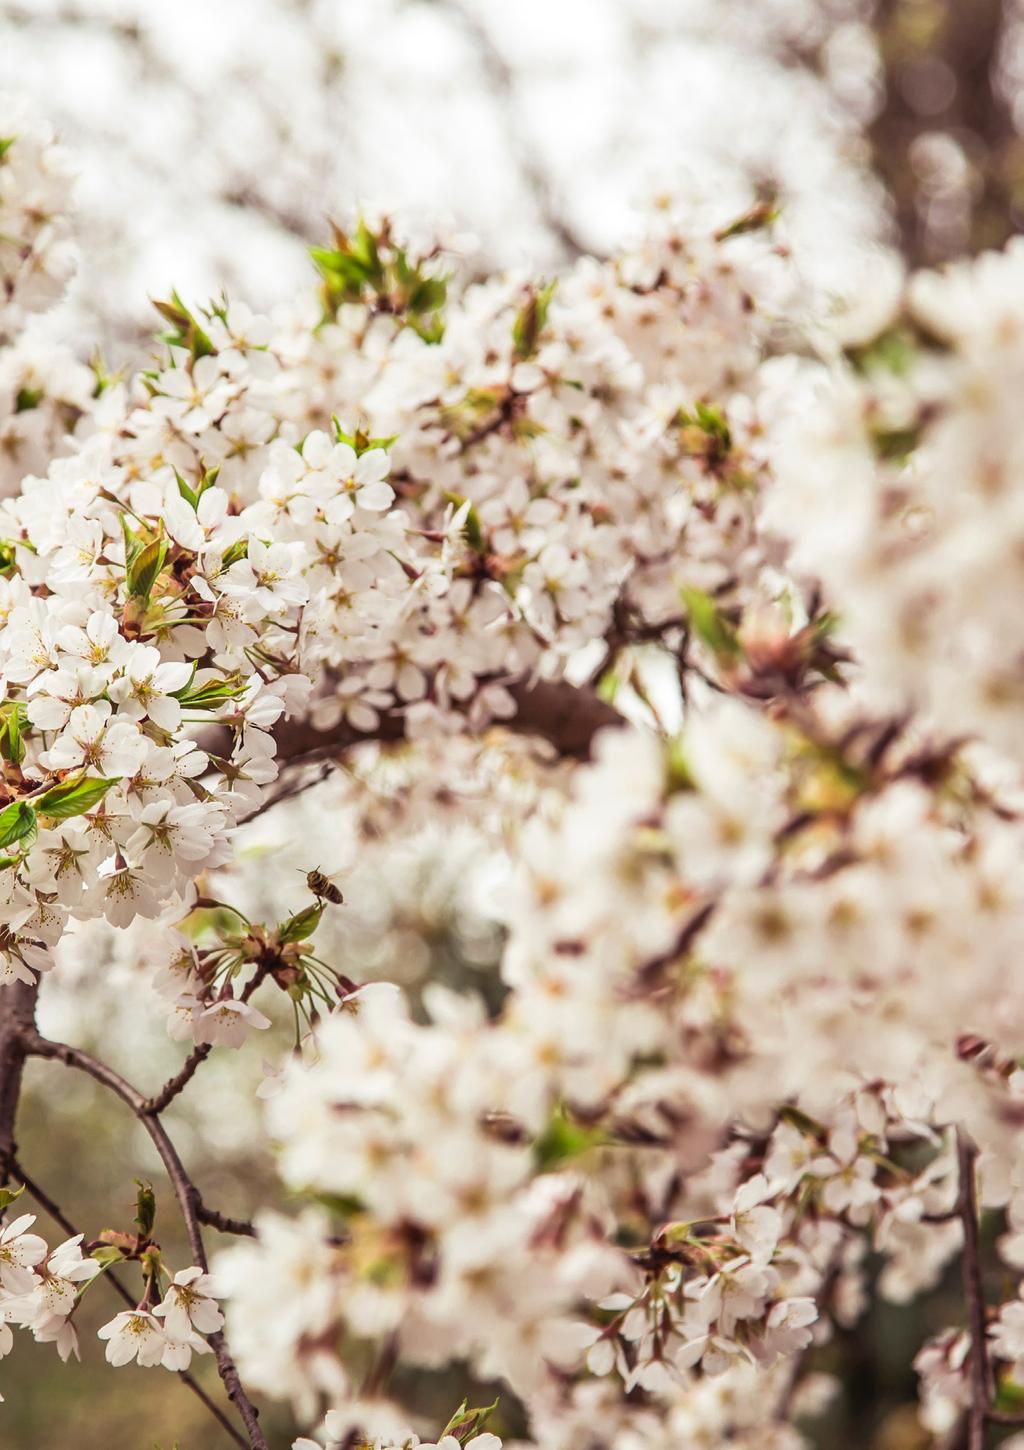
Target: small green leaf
pixel 144 570
pixel 561 1140
pixel 17 823
pixel 761 215
pixel 211 695
pixel 188 494
pixel 145 1208
pixel 27 399
pixel 680 777
pixel 345 1205
pixel 12 744
pixel 708 624
pixel 74 797
pixel 106 1254
pixel 302 925
pixel 530 320
pixel 895 445
pixel 608 686
pixel 9 1196
pixel 187 331
pixel 466 1422
pixel 359 441
pixel 6 142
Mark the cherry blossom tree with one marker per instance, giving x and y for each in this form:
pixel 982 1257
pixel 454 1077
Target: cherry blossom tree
pixel 687 595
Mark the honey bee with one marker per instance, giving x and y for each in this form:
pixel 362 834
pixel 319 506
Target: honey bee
pixel 323 888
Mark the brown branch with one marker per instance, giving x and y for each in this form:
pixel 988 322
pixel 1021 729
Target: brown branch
pixel 127 1297
pixel 566 717
pixel 221 1221
pixel 974 1294
pixel 184 1190
pixel 173 1086
pixel 647 976
pixel 17 1018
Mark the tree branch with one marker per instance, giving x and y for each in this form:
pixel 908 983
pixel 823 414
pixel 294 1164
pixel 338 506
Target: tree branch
pixel 221 1221
pixel 980 1370
pixel 17 1018
pixel 184 1190
pixel 173 1086
pixel 566 717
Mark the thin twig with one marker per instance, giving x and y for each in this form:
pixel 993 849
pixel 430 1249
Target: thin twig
pixel 221 1221
pixel 174 1085
pixel 974 1294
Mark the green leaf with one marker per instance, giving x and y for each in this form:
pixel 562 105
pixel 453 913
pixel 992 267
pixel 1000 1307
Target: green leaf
pixel 9 1196
pixel 894 350
pixel 345 1205
pixel 211 695
pixel 708 624
pixel 238 550
pixel 144 570
pixel 302 925
pixel 74 797
pixel 12 744
pixel 6 142
pixel 680 777
pixel 145 1208
pixel 365 250
pixel 895 445
pixel 27 399
pixel 132 542
pixel 187 331
pixel 761 215
pixel 106 1254
pixel 17 823
pixel 466 1422
pixel 188 494
pixel 714 438
pixel 563 1139
pixel 530 320
pixel 360 441
pixel 608 686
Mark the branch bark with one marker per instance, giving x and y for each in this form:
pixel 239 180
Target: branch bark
pixel 174 1085
pixel 567 717
pixel 17 1019
pixel 980 1370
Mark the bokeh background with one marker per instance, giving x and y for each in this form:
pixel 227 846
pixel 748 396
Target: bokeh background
pixel 215 138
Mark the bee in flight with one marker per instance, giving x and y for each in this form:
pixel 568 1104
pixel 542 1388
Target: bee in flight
pixel 323 888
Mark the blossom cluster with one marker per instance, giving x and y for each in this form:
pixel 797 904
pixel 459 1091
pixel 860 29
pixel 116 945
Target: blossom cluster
pixel 749 1054
pixel 41 1289
pixel 690 913
pixel 918 538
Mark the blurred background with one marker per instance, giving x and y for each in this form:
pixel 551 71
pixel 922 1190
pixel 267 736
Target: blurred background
pixel 214 141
